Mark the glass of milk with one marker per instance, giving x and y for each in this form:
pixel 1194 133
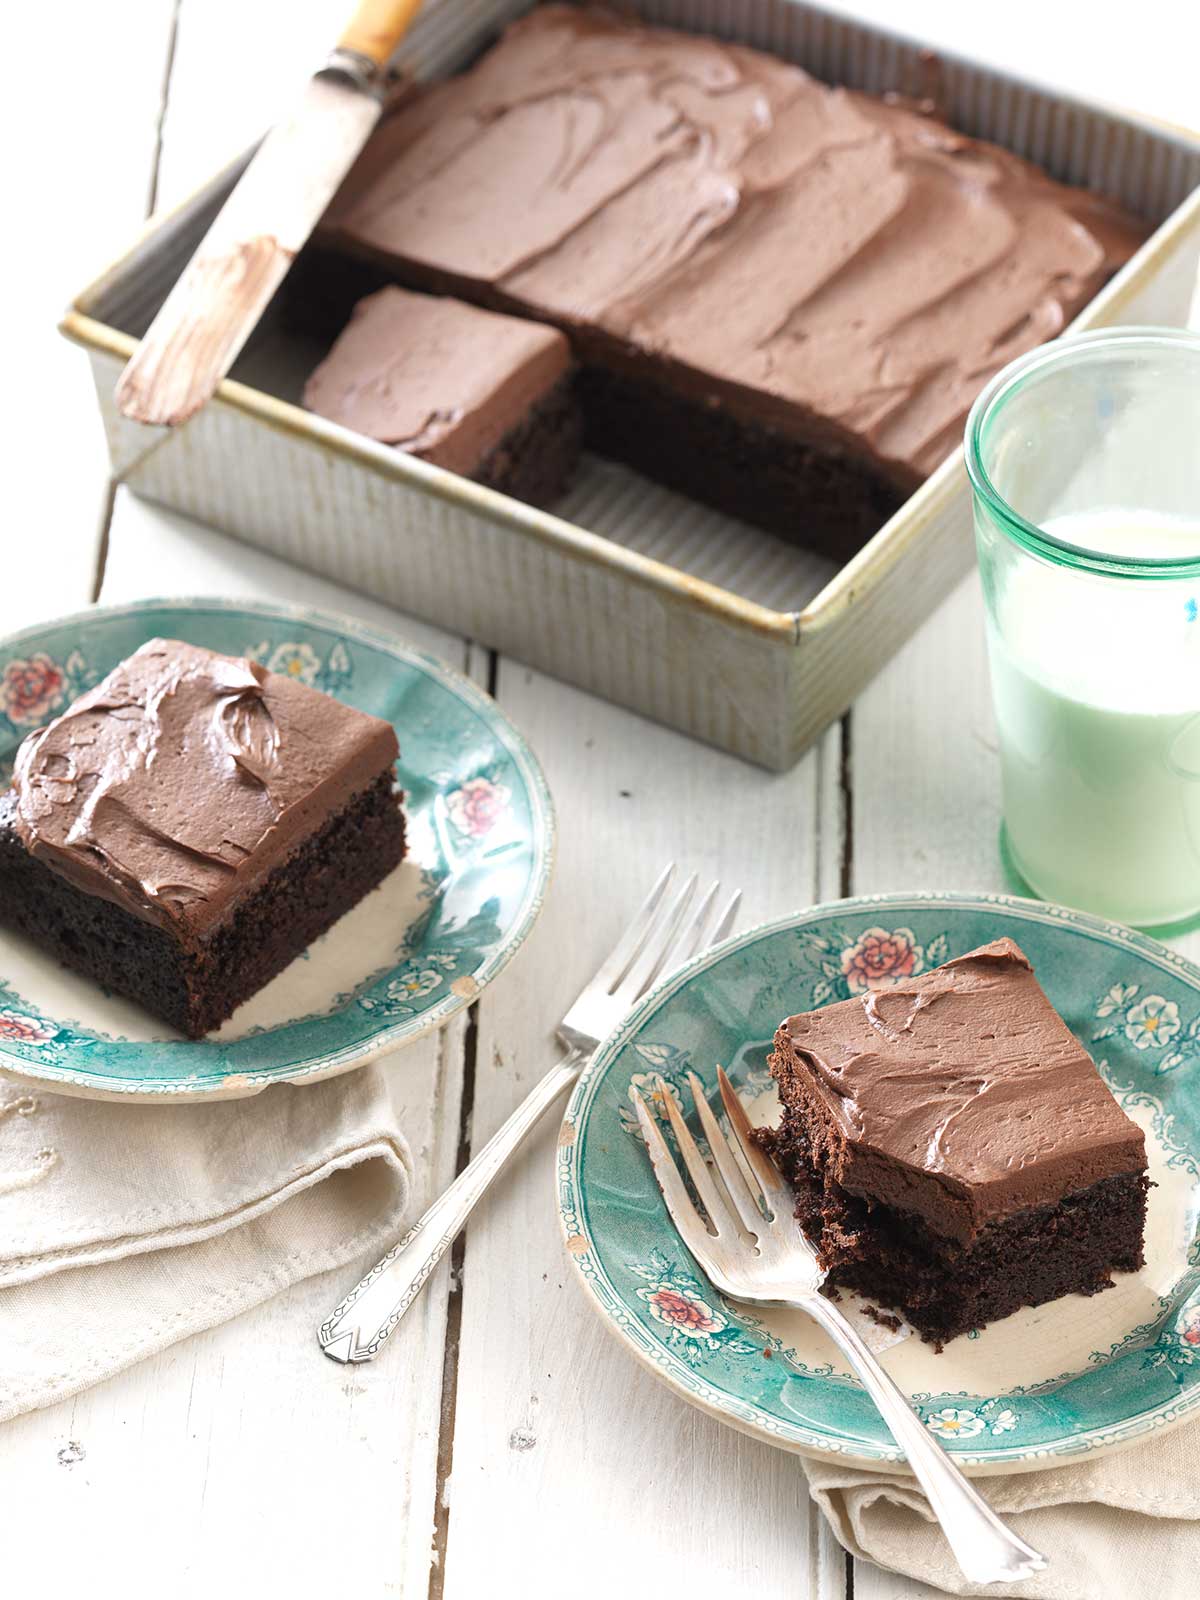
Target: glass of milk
pixel 1084 458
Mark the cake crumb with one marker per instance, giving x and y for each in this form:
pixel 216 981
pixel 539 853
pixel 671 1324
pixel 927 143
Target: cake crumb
pixel 883 1319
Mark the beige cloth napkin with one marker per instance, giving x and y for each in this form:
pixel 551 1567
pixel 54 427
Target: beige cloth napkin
pixel 1120 1525
pixel 124 1228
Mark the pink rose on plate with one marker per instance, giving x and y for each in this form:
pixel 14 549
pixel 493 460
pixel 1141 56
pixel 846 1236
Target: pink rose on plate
pixel 26 1030
pixel 1190 1330
pixel 30 690
pixel 478 806
pixel 684 1311
pixel 878 959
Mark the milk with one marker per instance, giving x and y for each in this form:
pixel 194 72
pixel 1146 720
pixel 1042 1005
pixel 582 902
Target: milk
pixel 1097 691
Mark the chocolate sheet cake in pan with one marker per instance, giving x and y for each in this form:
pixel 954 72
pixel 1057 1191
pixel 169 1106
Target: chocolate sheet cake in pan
pixel 785 296
pixel 644 595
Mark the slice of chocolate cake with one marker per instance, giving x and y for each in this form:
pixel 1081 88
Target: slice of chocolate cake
pixel 784 296
pixel 190 825
pixel 954 1151
pixel 486 396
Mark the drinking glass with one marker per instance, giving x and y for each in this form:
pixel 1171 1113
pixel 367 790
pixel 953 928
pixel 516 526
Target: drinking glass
pixel 1084 460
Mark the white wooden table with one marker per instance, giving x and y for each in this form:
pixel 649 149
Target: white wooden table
pixel 504 1444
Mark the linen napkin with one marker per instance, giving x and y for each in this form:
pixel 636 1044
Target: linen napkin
pixel 1111 1525
pixel 124 1228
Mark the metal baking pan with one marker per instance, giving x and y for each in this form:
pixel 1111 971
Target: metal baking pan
pixel 633 592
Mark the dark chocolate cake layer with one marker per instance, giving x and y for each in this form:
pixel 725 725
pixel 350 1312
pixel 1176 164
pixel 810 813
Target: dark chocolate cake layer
pixel 536 460
pixel 187 827
pixel 822 499
pixel 942 1287
pixel 825 267
pixel 955 1153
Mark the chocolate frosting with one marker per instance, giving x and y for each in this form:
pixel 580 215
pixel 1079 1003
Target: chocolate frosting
pixel 437 378
pixel 960 1095
pixel 184 777
pixel 823 262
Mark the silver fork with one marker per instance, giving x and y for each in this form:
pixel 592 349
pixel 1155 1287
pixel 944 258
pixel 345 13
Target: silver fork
pixel 752 1249
pixel 665 933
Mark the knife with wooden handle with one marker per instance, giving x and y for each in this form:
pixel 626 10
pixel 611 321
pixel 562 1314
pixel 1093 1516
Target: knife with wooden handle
pixel 246 253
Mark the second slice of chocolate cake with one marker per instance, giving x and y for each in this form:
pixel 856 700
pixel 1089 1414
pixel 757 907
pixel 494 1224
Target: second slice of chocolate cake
pixel 486 396
pixel 954 1151
pixel 190 825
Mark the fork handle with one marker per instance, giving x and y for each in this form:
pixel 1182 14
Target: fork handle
pixel 369 1314
pixel 984 1548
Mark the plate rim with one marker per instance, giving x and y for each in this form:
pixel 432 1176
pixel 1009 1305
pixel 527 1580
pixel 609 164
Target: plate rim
pixel 795 1438
pixel 401 1032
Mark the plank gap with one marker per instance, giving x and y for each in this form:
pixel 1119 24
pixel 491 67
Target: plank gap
pixel 846 791
pixel 454 1305
pixel 849 1560
pixel 103 534
pixel 164 98
pixel 823 825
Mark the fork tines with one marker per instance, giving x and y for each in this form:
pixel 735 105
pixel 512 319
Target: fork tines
pixel 742 1192
pixel 663 936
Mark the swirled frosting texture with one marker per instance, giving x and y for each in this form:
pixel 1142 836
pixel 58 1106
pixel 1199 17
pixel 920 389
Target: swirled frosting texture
pixel 184 777
pixel 816 259
pixel 442 380
pixel 959 1095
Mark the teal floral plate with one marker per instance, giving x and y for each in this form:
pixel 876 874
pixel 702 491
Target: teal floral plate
pixel 411 954
pixel 1053 1382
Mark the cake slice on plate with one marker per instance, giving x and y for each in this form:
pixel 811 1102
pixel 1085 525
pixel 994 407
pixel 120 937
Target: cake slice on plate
pixel 954 1151
pixel 187 827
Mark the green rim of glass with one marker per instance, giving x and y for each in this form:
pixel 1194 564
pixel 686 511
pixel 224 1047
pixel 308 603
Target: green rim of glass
pixel 989 407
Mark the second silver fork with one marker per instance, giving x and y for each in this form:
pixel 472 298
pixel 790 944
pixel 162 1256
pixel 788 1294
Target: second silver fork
pixel 664 934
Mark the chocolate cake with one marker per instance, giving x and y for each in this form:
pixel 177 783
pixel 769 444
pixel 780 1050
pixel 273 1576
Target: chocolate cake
pixel 486 396
pixel 784 296
pixel 191 824
pixel 954 1151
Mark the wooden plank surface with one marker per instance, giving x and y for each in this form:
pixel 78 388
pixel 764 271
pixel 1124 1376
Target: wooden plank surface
pixel 236 66
pixel 355 1449
pixel 80 131
pixel 557 1433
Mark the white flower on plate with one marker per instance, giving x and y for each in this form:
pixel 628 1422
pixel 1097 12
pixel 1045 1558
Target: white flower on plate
pixel 414 983
pixel 1004 1422
pixel 1152 1023
pixel 1117 998
pixel 652 1089
pixel 952 1424
pixel 296 661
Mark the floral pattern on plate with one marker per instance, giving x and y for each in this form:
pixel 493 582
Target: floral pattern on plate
pixel 35 686
pixel 331 672
pixel 24 1029
pixel 478 806
pixel 1151 1023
